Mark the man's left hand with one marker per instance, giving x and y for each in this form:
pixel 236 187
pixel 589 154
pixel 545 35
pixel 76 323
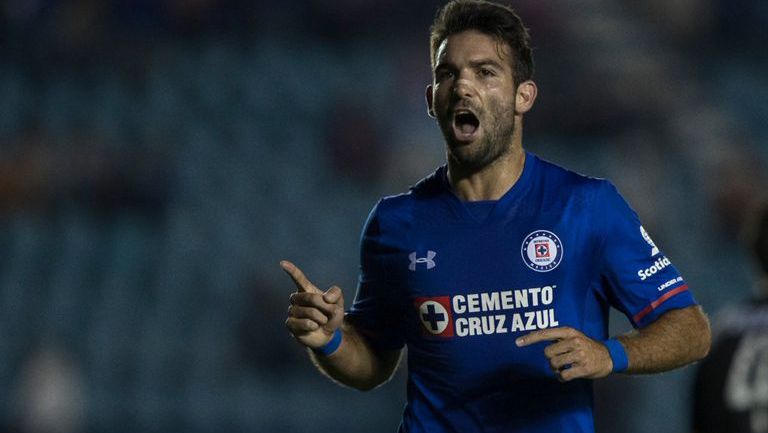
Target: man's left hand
pixel 573 355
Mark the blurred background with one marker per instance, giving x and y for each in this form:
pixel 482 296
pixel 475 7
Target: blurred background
pixel 159 157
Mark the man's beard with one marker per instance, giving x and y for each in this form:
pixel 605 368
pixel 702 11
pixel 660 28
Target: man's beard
pixel 496 141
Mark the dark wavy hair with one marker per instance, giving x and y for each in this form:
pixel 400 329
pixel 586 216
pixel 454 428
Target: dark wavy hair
pixel 492 19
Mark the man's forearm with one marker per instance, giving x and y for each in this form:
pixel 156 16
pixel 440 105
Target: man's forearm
pixel 356 363
pixel 676 338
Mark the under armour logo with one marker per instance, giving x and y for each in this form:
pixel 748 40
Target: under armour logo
pixel 429 260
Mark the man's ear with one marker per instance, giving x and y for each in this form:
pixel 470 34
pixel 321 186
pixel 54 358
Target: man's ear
pixel 430 100
pixel 525 96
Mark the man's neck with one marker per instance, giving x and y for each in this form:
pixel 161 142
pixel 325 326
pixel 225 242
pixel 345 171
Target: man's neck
pixel 490 182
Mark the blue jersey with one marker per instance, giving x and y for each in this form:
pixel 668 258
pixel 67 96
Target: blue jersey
pixel 458 281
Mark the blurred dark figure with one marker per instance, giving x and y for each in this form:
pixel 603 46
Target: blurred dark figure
pixel 731 388
pixel 740 191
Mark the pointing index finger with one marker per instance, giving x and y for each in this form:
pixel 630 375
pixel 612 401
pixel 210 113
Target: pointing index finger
pixel 544 335
pixel 299 279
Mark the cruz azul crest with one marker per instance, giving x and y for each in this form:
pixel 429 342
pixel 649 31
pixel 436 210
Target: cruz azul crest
pixel 542 251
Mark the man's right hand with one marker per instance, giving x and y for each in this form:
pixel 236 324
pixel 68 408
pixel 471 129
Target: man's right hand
pixel 313 315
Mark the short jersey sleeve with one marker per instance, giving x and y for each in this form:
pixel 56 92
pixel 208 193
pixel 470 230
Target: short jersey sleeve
pixel 377 311
pixel 637 276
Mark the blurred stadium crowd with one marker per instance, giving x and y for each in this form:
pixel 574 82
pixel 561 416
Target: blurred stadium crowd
pixel 157 159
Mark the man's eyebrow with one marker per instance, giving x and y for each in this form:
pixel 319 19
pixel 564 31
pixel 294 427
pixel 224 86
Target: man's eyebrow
pixel 485 62
pixel 474 63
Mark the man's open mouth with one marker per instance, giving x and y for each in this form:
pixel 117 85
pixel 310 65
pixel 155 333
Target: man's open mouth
pixel 465 125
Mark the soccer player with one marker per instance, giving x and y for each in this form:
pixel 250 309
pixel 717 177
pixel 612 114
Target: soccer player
pixel 498 270
pixel 731 390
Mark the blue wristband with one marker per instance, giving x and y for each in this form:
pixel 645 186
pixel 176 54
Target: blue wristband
pixel 330 346
pixel 618 355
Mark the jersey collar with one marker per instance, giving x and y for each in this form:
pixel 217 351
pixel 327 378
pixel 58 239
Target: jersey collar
pixel 503 204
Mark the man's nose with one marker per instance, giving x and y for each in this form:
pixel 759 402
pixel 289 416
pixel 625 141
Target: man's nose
pixel 463 88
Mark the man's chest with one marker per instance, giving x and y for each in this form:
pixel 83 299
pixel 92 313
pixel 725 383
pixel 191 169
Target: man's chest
pixel 465 280
pixel 434 255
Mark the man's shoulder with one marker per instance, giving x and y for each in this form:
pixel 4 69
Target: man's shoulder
pixel 426 189
pixel 553 173
pixel 561 184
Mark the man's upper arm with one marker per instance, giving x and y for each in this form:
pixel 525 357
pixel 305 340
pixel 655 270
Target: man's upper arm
pixel 378 311
pixel 639 279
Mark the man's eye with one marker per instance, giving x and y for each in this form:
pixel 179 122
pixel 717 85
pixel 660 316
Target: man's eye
pixel 486 72
pixel 442 75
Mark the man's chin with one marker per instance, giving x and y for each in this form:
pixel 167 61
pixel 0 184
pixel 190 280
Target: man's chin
pixel 468 157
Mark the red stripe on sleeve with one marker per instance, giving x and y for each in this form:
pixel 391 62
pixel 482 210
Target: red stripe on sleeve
pixel 658 302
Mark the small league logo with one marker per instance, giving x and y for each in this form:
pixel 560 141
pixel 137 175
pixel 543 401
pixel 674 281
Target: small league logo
pixel 542 251
pixel 647 237
pixel 435 315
